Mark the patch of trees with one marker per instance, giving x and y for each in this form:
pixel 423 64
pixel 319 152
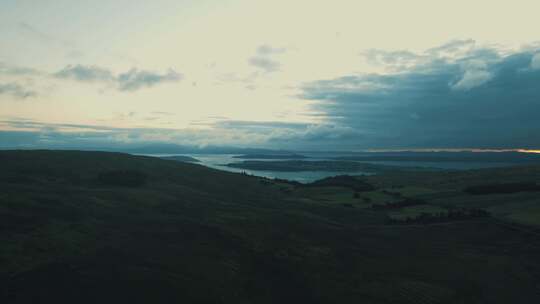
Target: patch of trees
pixel 270 156
pixel 346 181
pixel 442 217
pixel 182 158
pixel 392 193
pixel 408 202
pixel 289 182
pixel 122 178
pixel 502 188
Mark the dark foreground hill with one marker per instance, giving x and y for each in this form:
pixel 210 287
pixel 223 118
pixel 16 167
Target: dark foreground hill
pixel 91 227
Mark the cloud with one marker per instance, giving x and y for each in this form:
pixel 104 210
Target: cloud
pixel 292 135
pixel 16 90
pixel 131 80
pixel 266 64
pixel 265 134
pixel 535 62
pixel 399 59
pixel 462 52
pixel 265 50
pixel 472 79
pixel 12 70
pixel 475 74
pixel 13 76
pixel 480 99
pixel 456 95
pixel 16 133
pixel 136 79
pixel 85 73
pixel 320 134
pixel 264 58
pixel 454 48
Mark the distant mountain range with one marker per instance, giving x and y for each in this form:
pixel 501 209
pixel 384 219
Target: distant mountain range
pixel 497 157
pixel 264 153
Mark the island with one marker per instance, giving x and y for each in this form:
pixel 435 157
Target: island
pixel 319 165
pixel 271 156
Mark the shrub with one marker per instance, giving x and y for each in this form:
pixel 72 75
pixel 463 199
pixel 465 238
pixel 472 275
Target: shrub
pixel 346 181
pixel 502 188
pixel 408 202
pixel 123 178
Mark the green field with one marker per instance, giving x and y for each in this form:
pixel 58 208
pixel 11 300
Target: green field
pixel 414 211
pixel 91 227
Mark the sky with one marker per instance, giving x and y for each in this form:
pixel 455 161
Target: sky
pixel 303 74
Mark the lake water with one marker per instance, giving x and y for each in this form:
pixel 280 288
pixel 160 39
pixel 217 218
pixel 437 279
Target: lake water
pixel 218 161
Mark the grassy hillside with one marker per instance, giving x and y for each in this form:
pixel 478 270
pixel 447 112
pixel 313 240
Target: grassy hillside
pixel 73 230
pixel 182 158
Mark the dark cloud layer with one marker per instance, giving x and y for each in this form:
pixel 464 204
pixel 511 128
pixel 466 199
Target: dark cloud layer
pixel 482 100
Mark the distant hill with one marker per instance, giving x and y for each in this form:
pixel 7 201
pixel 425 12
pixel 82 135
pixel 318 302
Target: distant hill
pixel 319 165
pixel 343 181
pixel 498 157
pixel 271 156
pixel 182 158
pixel 184 149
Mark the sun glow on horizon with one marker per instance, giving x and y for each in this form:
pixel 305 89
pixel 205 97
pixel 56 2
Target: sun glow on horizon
pixel 528 151
pixel 454 150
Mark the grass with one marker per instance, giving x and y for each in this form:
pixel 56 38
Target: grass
pixel 525 212
pixel 413 191
pixel 414 211
pixel 197 235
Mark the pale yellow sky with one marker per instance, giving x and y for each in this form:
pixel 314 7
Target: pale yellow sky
pixel 239 59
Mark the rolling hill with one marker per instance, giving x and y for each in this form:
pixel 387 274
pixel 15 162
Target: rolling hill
pixel 91 227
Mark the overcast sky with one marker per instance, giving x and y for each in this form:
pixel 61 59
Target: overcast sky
pixel 301 74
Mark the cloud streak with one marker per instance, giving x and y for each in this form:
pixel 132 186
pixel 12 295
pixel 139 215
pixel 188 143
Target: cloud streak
pixel 85 73
pixel 264 58
pixel 131 80
pixel 17 133
pixel 136 79
pixel 475 74
pixel 15 90
pixel 11 70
